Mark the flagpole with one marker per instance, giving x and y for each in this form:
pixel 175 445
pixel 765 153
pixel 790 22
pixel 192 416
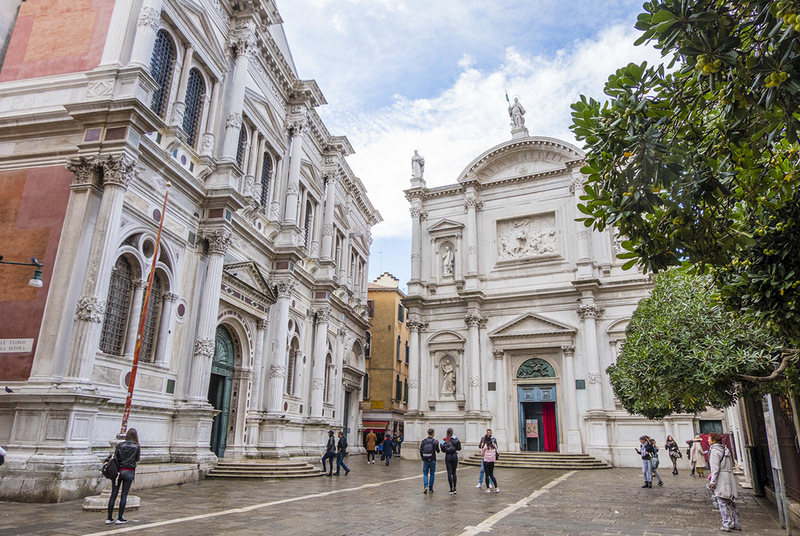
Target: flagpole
pixel 142 320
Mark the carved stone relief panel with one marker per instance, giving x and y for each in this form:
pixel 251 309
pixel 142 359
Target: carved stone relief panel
pixel 527 237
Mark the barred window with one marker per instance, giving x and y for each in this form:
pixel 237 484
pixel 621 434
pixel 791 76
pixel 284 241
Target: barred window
pixel 195 93
pixel 118 306
pixel 151 322
pixel 290 368
pixel 240 148
pixel 266 172
pixel 161 66
pixel 307 225
pixel 327 391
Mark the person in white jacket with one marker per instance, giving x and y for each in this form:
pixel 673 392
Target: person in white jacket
pixel 723 483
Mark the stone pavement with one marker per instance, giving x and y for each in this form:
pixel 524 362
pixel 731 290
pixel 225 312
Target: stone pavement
pixel 380 500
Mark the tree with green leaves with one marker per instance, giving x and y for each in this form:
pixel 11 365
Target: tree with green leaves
pixel 684 351
pixel 695 161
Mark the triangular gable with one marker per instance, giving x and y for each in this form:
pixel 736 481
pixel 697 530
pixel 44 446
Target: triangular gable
pixel 445 225
pixel 250 275
pixel 531 325
pixel 201 21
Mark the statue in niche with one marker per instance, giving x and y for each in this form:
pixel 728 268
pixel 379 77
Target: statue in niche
pixel 448 262
pixel 448 377
pixel 516 111
pixel 417 165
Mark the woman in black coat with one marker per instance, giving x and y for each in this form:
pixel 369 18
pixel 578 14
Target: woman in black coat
pixel 127 454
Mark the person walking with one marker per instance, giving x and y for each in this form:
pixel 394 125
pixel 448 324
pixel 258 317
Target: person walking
pixel 654 461
pixel 723 483
pixel 697 456
pixel 372 439
pixel 489 456
pixel 127 453
pixel 388 448
pixel 330 453
pixel 485 438
pixel 400 440
pixel 450 446
pixel 428 448
pixel 647 468
pixel 341 452
pixel 671 446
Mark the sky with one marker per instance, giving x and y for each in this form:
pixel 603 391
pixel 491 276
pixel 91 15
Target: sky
pixel 432 75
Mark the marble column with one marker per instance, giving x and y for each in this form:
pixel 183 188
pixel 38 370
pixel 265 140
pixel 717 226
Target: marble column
pixel 501 430
pixel 179 107
pixel 414 326
pixel 218 242
pixel 146 30
pixel 134 318
pixel 473 388
pixel 416 242
pixel 163 328
pixel 344 259
pixel 290 212
pixel 570 407
pixel 207 145
pixel 589 311
pixel 252 165
pixel 259 376
pixel 277 370
pixel 245 47
pixel 117 172
pixel 328 243
pixel 472 205
pixel 321 319
pixel 115 40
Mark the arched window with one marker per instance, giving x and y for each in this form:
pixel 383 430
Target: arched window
pixel 118 306
pixel 397 351
pixel 161 66
pixel 326 393
pixel 241 147
pixel 146 354
pixel 535 368
pixel 266 172
pixel 307 225
pixel 408 351
pixel 195 93
pixel 291 367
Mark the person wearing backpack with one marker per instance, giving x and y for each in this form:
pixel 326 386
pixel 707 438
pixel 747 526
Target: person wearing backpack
pixel 450 446
pixel 484 439
pixel 341 452
pixel 647 468
pixel 428 448
pixel 127 454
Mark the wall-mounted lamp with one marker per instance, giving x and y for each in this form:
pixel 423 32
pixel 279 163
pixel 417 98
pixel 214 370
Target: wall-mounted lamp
pixel 36 280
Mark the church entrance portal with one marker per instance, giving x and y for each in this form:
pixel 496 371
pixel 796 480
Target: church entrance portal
pixel 538 426
pixel 219 389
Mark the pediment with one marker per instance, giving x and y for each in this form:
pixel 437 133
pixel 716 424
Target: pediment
pixel 531 325
pixel 199 21
pixel 445 226
pixel 446 339
pixel 247 276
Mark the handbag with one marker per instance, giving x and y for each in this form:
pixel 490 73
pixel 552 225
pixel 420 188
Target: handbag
pixel 383 457
pixel 110 468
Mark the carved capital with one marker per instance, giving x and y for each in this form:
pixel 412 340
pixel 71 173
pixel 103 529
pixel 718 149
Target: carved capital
pixel 84 170
pixel 474 319
pixel 149 17
pixel 262 324
pixel 293 189
pixel 204 347
pixel 472 203
pixel 414 324
pixel 590 310
pixel 576 183
pixel 568 350
pixel 498 353
pixel 297 126
pixel 119 170
pixel 327 229
pixel 218 240
pixel 285 289
pixel 277 371
pixel 90 309
pixel 322 315
pixel 415 212
pixel 207 144
pixel 170 297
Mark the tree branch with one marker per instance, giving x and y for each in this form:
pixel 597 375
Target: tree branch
pixel 788 356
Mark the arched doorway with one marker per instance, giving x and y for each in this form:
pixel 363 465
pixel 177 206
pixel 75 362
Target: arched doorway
pixel 538 429
pixel 219 389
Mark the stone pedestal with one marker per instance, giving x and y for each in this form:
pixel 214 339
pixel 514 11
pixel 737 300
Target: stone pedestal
pixel 99 503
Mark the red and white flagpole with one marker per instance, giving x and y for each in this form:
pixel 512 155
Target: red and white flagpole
pixel 123 430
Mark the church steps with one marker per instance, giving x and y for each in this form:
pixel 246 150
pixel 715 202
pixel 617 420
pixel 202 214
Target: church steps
pixel 536 460
pixel 261 469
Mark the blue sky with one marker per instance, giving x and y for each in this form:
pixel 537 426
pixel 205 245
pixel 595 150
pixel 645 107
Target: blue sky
pixel 401 75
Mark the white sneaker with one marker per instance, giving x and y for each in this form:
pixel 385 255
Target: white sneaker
pixel 479 485
pixel 109 521
pixel 488 491
pixel 497 490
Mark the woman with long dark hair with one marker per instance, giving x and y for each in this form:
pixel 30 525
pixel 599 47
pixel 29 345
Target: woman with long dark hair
pixel 489 456
pixel 671 446
pixel 450 446
pixel 127 454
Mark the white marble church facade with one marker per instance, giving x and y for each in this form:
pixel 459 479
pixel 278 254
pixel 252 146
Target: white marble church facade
pixel 254 343
pixel 516 309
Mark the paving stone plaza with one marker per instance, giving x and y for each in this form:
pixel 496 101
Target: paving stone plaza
pixel 381 500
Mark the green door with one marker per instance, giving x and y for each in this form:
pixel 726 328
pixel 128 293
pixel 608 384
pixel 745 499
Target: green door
pixel 219 389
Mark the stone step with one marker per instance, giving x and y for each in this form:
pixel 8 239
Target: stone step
pixel 535 460
pixel 263 469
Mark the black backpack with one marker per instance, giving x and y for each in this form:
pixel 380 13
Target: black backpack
pixel 452 446
pixel 427 448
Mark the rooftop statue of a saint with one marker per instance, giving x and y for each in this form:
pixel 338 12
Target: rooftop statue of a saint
pixel 417 170
pixel 517 112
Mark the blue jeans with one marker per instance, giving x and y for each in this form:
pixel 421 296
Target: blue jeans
pixel 388 456
pixel 328 456
pixel 340 463
pixel 647 469
pixel 428 467
pixel 480 476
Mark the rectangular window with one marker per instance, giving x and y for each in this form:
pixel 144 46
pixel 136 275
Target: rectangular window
pixel 371 308
pixel 401 313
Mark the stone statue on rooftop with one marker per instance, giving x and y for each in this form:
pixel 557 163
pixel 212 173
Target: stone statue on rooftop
pixel 417 165
pixel 516 111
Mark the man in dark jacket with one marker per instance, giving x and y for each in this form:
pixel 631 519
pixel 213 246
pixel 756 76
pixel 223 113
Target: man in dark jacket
pixel 330 453
pixel 341 451
pixel 388 447
pixel 428 448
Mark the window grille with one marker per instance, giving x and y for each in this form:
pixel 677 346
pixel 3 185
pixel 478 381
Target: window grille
pixel 307 225
pixel 241 147
pixel 195 93
pixel 161 65
pixel 290 366
pixel 151 323
pixel 117 308
pixel 266 171
pixel 326 392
